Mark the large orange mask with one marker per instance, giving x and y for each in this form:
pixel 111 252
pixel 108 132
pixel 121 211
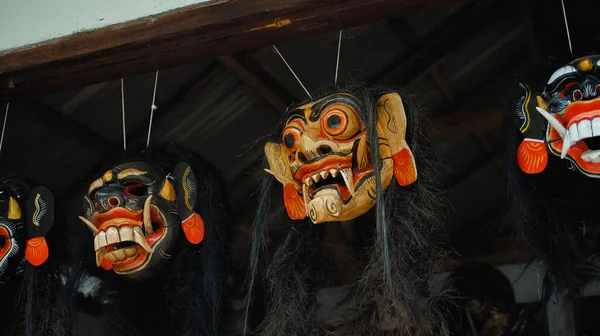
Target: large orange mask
pixel 324 159
pixel 564 119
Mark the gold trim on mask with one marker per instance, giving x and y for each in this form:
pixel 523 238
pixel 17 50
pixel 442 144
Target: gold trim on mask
pixel 14 210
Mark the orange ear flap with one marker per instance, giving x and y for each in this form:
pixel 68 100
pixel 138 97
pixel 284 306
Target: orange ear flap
pixel 294 204
pixel 405 169
pixel 36 251
pixel 532 156
pixel 193 228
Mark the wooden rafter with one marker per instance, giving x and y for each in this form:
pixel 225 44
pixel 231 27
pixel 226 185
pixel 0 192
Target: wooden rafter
pixel 220 28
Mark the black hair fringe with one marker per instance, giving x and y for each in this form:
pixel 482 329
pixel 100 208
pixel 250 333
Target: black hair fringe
pixel 393 289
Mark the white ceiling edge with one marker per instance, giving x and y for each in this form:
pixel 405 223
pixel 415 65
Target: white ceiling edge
pixel 29 22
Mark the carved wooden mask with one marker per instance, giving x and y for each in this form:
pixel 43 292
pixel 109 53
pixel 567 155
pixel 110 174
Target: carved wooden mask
pixel 564 119
pixel 324 160
pixel 135 213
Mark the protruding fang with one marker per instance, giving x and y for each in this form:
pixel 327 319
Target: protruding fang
pixel 333 172
pixel 566 145
pixel 324 174
pixel 139 238
pixel 147 217
pixel 89 224
pixel 308 181
pixel 555 123
pixel 347 175
pixel 305 195
pixel 316 177
pixel 99 257
pixel 362 157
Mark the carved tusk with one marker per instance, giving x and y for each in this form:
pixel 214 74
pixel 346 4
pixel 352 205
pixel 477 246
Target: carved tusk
pixel 553 121
pixel 89 224
pixel 283 179
pixel 139 238
pixel 566 146
pixel 147 216
pixel 349 179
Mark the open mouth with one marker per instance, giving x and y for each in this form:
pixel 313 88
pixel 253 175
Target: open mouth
pixel 588 132
pixel 336 173
pixel 125 239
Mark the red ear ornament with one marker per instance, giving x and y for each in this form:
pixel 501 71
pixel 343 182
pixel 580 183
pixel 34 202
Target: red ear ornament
pixel 294 204
pixel 193 228
pixel 405 169
pixel 532 156
pixel 36 251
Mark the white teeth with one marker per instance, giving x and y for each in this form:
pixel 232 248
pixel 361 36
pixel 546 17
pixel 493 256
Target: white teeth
pixel 574 134
pixel 100 240
pixel 324 174
pixel 334 172
pixel 112 235
pixel 316 177
pixel 126 233
pixel 347 175
pixel 591 156
pixel 585 129
pixel 596 126
pixel 308 181
pixel 147 217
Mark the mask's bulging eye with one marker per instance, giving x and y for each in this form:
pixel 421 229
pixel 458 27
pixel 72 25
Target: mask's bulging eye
pixel 291 138
pixel 335 122
pixel 340 121
pixel 136 189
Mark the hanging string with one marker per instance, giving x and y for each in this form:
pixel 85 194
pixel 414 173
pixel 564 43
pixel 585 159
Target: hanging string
pixel 567 25
pixel 4 125
pixel 153 108
pixel 292 71
pixel 337 63
pixel 123 108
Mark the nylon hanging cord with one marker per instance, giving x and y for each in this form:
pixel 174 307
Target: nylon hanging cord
pixel 123 108
pixel 567 25
pixel 337 63
pixel 292 71
pixel 153 107
pixel 4 125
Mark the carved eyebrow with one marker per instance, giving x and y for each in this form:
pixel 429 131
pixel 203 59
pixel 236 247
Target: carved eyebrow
pixel 336 98
pixel 130 171
pixel 295 114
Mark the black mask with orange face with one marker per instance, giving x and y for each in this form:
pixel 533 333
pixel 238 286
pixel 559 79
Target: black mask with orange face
pixel 23 230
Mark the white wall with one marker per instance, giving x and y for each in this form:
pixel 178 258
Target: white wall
pixel 25 22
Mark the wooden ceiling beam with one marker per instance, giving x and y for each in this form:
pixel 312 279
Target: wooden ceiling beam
pixel 259 80
pixel 220 28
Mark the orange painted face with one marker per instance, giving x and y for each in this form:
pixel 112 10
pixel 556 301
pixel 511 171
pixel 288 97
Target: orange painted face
pixel 12 233
pixel 324 159
pixel 566 117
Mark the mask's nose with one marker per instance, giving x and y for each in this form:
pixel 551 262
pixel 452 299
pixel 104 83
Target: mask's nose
pixel 309 149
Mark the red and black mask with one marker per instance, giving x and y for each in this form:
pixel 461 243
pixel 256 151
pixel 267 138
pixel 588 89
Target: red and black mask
pixel 136 214
pixel 22 234
pixel 564 119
